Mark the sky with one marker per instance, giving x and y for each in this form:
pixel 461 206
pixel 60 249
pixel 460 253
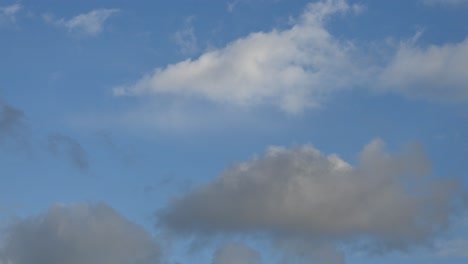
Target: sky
pixel 233 132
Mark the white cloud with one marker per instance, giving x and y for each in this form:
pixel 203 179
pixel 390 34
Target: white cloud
pixel 296 69
pixel 292 69
pixel 389 200
pixel 8 14
pixel 89 24
pixel 91 234
pixel 436 72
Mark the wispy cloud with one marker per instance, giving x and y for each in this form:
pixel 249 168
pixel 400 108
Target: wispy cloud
pixel 8 14
pixel 231 5
pixel 435 72
pixel 88 24
pixel 445 2
pixel 12 125
pixel 185 38
pixel 68 147
pixel 235 253
pixel 453 248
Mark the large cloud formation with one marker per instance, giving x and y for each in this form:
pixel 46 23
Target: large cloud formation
pixel 296 68
pixel 292 69
pixel 77 234
pixel 390 200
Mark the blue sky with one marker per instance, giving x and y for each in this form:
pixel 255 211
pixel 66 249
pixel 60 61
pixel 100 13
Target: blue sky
pixel 244 131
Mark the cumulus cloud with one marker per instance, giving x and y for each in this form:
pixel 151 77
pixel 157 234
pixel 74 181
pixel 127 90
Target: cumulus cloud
pixel 76 234
pixel 8 14
pixel 87 24
pixel 389 200
pixel 12 124
pixel 292 69
pixel 59 144
pixel 235 253
pixel 298 68
pixel 436 72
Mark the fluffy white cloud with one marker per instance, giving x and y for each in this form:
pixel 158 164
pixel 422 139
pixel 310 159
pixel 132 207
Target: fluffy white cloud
pixel 89 24
pixel 292 69
pixel 91 234
pixel 235 253
pixel 436 73
pixel 390 200
pixel 8 14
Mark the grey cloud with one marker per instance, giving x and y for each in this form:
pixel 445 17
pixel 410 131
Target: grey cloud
pixel 69 147
pixel 77 234
pixel 453 248
pixel 303 251
pixel 12 124
pixel 235 253
pixel 389 200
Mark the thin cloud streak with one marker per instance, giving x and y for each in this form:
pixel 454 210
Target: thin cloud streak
pixel 88 24
pixel 59 144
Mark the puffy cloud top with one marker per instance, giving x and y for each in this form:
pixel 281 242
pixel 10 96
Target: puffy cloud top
pixel 300 192
pixel 91 234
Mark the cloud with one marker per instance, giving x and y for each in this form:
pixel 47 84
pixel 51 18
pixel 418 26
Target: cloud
pixel 185 38
pixel 387 200
pixel 445 2
pixel 293 69
pixel 8 14
pixel 64 145
pixel 231 5
pixel 91 234
pixel 298 68
pixel 235 253
pixel 303 251
pixel 12 125
pixel 88 24
pixel 436 72
pixel 453 248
